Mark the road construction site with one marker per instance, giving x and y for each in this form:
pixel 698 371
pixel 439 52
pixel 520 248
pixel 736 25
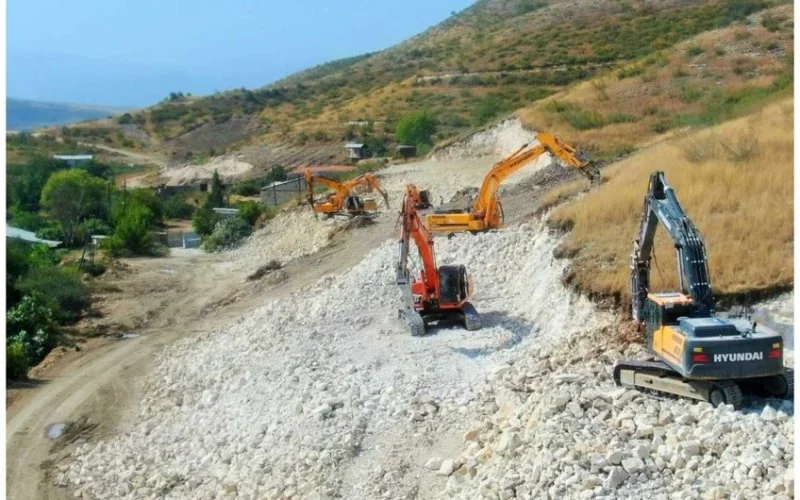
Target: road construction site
pixel 302 382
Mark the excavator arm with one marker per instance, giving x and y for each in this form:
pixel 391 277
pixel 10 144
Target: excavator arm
pixel 411 227
pixel 486 203
pixel 370 182
pixel 661 205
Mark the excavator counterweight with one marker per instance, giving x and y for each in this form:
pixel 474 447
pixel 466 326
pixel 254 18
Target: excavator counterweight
pixel 487 212
pixel 696 353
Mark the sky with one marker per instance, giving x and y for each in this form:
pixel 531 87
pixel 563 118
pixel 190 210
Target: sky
pixel 134 53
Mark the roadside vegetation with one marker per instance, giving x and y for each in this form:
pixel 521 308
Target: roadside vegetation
pixel 733 180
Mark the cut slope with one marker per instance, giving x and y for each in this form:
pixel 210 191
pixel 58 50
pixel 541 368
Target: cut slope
pixel 733 180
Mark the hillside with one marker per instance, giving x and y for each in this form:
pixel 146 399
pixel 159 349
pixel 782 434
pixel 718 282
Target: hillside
pixel 495 57
pixel 27 115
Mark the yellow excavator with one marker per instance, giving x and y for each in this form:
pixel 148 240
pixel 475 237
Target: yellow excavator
pixel 694 352
pixel 487 212
pixel 344 201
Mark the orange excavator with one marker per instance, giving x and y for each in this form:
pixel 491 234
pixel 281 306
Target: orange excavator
pixel 344 200
pixel 438 293
pixel 422 199
pixel 487 212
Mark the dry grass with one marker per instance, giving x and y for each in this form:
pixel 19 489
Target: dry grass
pixel 710 78
pixel 742 203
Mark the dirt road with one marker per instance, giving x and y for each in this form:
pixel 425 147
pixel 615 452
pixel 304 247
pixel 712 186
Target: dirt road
pixel 162 299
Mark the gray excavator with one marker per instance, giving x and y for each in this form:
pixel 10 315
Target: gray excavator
pixel 694 352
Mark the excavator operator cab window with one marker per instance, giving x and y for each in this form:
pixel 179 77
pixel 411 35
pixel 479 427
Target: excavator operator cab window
pixel 652 315
pixel 354 203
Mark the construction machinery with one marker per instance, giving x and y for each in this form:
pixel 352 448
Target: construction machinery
pixel 422 199
pixel 438 293
pixel 344 201
pixel 694 352
pixel 487 211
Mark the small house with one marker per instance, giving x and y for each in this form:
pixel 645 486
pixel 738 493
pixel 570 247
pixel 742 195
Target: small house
pixel 355 150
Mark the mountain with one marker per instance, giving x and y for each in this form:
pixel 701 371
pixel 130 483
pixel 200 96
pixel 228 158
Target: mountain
pixel 492 59
pixel 26 115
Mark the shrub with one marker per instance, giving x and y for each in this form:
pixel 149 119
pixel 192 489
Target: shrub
pixel 205 220
pixel 91 227
pixel 133 232
pixel 31 221
pixel 416 128
pixel 247 188
pixel 72 195
pixel 176 208
pixel 489 107
pixel 52 231
pixel 17 364
pixel 249 211
pixel 227 233
pixel 31 323
pixel 66 294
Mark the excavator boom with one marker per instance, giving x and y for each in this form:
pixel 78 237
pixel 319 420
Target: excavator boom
pixel 487 211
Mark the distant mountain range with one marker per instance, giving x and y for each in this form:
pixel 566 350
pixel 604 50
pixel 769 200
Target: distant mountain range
pixel 26 115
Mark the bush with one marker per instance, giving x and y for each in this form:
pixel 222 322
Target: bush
pixel 91 227
pixel 247 188
pixel 67 296
pixel 22 219
pixel 416 128
pixel 31 323
pixel 176 208
pixel 489 107
pixel 133 232
pixel 52 231
pixel 227 233
pixel 204 221
pixel 249 211
pixel 17 364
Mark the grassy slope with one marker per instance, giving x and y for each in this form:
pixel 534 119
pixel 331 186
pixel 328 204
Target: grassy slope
pixel 733 180
pixel 530 48
pixel 705 80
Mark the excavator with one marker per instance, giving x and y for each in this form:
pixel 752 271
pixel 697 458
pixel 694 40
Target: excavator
pixel 344 201
pixel 487 212
pixel 694 352
pixel 422 199
pixel 438 293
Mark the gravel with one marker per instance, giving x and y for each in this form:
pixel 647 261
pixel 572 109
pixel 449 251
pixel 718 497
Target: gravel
pixel 327 395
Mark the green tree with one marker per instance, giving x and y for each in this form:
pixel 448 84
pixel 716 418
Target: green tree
pixel 216 197
pixel 204 220
pixel 71 196
pixel 133 231
pixel 416 128
pixel 25 182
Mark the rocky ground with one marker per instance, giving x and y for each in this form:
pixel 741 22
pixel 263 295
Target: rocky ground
pixel 326 395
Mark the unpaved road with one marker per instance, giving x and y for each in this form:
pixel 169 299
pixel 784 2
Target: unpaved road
pixel 167 298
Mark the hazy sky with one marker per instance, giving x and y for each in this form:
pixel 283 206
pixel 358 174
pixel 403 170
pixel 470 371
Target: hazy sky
pixel 133 53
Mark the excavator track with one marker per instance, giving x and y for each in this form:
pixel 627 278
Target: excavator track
pixel 472 320
pixel 658 376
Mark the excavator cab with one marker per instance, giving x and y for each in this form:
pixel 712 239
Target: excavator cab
pixel 453 283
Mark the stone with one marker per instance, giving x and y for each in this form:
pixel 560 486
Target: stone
pixel 447 468
pixel 615 478
pixel 690 448
pixel 434 463
pixel 615 457
pixel 633 465
pixel 642 451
